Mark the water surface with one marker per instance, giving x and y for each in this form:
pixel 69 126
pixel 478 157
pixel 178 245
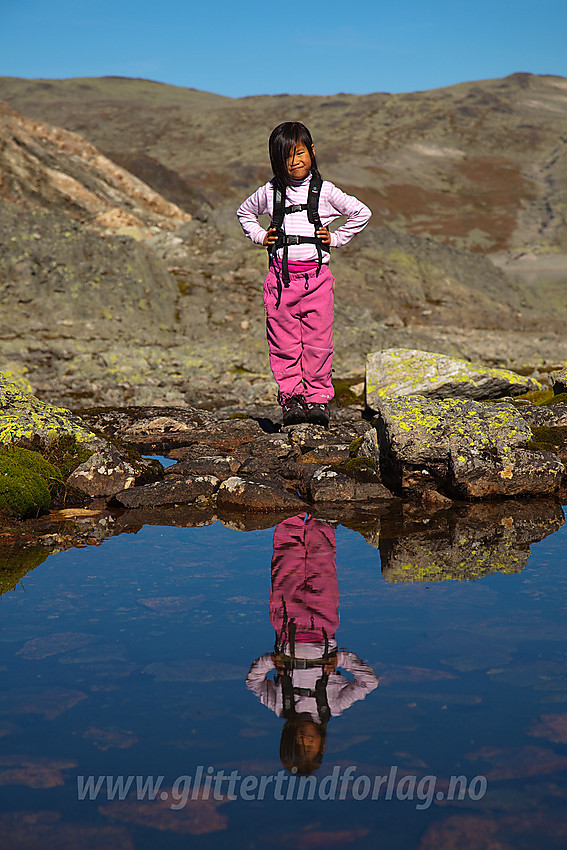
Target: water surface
pixel 130 659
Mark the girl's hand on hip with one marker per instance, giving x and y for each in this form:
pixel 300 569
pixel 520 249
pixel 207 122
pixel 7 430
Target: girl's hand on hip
pixel 271 237
pixel 324 235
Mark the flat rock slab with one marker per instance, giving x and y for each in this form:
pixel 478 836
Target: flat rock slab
pixel 219 466
pixel 466 449
pixel 171 491
pixel 407 372
pixel 328 485
pixel 162 429
pixel 256 494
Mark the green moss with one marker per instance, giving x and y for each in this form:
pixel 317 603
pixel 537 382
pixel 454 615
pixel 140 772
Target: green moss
pixel 536 396
pixel 561 398
pixel 355 446
pixel 547 439
pixel 344 394
pixel 26 482
pixel 238 416
pixel 355 466
pixel 66 454
pixel 541 446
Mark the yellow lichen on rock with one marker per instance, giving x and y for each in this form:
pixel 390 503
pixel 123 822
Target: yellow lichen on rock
pixel 399 372
pixel 23 418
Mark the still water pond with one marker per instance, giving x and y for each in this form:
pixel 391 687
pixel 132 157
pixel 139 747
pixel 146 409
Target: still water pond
pixel 194 687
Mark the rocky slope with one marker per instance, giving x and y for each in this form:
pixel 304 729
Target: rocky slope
pixel 48 167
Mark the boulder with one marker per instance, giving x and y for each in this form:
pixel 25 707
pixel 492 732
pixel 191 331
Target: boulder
pixel 108 471
pixel 103 474
pixel 464 449
pixel 408 372
pixel 559 381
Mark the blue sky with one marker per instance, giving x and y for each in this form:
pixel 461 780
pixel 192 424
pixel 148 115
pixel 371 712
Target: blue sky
pixel 245 48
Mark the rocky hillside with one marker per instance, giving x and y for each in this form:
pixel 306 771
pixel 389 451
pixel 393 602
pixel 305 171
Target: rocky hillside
pixel 117 293
pixel 479 165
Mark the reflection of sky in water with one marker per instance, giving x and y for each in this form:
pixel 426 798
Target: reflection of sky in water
pixel 131 659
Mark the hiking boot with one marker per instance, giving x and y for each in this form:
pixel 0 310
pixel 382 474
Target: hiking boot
pixel 293 410
pixel 317 413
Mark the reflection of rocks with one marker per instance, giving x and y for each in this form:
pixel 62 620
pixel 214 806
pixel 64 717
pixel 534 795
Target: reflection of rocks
pixel 467 543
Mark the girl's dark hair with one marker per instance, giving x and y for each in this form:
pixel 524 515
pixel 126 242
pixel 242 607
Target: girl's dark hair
pixel 292 758
pixel 283 139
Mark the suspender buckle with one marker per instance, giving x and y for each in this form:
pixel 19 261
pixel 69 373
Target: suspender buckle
pixel 293 208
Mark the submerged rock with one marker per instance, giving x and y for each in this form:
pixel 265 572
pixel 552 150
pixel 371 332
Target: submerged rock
pixel 404 372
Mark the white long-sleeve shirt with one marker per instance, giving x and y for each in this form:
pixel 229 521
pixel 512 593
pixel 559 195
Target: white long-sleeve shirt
pixel 333 203
pixel 341 692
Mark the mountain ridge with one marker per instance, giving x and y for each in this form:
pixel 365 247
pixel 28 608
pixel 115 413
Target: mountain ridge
pixel 480 165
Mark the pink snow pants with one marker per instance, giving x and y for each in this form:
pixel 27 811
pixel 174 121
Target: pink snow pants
pixel 300 334
pixel 304 580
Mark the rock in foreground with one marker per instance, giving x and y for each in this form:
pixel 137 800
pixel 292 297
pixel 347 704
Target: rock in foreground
pixel 465 449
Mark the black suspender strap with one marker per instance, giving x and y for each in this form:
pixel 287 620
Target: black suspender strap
pixel 313 212
pixel 284 240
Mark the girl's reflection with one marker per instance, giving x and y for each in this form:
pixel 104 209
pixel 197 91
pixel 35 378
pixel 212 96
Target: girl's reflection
pixel 308 688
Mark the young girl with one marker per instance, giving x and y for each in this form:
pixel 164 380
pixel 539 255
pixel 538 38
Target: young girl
pixel 298 290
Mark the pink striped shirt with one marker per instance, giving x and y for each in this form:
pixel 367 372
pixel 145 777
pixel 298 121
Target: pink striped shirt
pixel 333 203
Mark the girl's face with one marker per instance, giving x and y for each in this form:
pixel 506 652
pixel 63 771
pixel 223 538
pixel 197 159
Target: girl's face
pixel 308 738
pixel 298 161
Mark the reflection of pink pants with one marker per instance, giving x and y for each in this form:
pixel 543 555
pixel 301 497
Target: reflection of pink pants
pixel 304 580
pixel 300 333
